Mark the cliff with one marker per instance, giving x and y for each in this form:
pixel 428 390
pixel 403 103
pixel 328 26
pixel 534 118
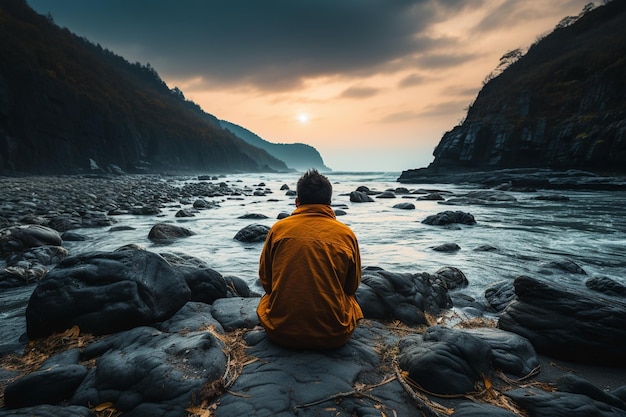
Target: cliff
pixel 298 156
pixel 560 106
pixel 69 106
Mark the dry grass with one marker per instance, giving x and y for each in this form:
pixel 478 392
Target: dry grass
pixel 237 357
pixel 39 350
pixel 235 348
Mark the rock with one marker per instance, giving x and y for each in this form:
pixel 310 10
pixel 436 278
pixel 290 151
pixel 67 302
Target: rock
pixel 50 386
pixel 386 194
pixel 568 324
pixel 49 411
pixel 283 382
pixel 404 206
pixel 201 203
pixel 519 178
pixel 145 372
pixel 481 410
pixel 606 286
pixel 449 217
pixel 145 210
pixel 485 248
pixel 539 403
pixel 72 237
pixel 360 197
pixel 184 213
pixel 453 277
pixel 577 385
pixel 551 198
pixel 121 228
pixel 252 233
pixel 401 296
pixel 205 284
pixel 30 265
pixel 445 361
pixel 256 216
pixel 431 197
pixel 565 265
pixel 116 170
pixel 19 238
pixel 490 196
pixel 237 287
pixel 364 189
pixel 236 313
pixel 164 232
pixel 105 292
pixel 193 316
pixel 511 353
pixel 447 247
pixel 500 294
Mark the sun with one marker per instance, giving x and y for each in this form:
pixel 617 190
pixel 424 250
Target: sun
pixel 303 118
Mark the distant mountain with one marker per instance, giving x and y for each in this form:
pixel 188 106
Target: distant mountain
pixel 562 105
pixel 298 156
pixel 69 106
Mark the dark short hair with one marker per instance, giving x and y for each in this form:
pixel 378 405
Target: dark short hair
pixel 314 188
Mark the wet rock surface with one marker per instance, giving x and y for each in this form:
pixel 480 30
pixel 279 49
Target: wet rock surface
pixel 134 333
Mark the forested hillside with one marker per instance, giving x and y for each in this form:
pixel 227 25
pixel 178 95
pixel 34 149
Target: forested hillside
pixel 299 156
pixel 67 105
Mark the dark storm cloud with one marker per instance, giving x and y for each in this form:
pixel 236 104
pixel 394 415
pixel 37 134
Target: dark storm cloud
pixel 267 44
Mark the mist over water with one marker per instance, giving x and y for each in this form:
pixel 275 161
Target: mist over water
pixel 589 229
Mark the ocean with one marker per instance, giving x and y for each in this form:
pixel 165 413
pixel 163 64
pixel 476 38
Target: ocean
pixel 523 233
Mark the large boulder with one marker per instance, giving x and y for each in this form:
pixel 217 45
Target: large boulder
pixel 19 238
pixel 573 325
pixel 401 296
pixel 106 292
pixel 445 361
pixel 145 372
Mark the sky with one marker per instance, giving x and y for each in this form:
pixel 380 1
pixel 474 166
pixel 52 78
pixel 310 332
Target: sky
pixel 371 84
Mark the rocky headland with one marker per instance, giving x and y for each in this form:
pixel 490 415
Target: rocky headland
pixel 523 179
pixel 133 332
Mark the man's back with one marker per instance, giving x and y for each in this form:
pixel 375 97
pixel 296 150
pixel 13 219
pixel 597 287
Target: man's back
pixel 310 268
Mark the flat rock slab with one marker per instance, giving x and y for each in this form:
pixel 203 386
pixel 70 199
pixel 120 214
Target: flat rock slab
pixel 341 382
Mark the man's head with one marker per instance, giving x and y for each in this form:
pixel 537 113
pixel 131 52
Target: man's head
pixel 313 188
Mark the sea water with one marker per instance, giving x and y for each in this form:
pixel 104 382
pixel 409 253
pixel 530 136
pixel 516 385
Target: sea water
pixel 588 228
pixel 522 232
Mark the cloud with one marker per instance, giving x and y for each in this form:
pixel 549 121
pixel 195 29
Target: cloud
pixel 446 108
pixel 273 45
pixel 359 92
pixel 442 61
pixel 412 80
pixel 402 116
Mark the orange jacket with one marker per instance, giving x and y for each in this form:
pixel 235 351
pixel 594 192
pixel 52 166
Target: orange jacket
pixel 310 268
